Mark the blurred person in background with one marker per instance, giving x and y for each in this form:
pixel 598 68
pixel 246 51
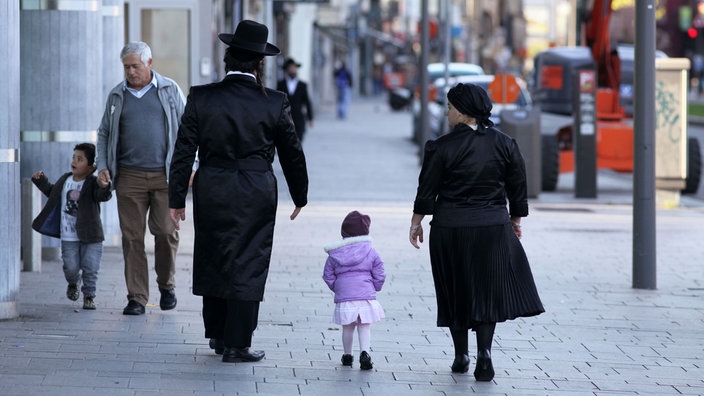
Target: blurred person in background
pixel 297 91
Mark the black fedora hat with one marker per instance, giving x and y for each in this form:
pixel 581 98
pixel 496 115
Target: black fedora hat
pixel 250 37
pixel 289 62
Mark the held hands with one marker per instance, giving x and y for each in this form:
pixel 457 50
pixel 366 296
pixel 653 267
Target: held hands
pixel 177 215
pixel 102 183
pixel 104 178
pixel 415 235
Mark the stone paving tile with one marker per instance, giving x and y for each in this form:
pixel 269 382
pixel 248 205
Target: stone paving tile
pixel 67 390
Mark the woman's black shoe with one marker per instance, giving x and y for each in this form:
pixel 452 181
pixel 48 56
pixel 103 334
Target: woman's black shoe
pixel 484 370
pixel 217 345
pixel 461 363
pixel 347 360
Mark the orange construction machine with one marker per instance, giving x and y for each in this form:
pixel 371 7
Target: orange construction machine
pixel 554 91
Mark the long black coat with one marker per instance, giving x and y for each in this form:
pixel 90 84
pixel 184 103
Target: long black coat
pixel 236 130
pixel 299 99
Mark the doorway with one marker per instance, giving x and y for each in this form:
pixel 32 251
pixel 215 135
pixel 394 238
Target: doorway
pixel 179 34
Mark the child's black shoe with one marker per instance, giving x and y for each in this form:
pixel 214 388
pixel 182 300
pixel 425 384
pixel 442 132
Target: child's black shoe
pixel 88 303
pixel 365 361
pixel 347 360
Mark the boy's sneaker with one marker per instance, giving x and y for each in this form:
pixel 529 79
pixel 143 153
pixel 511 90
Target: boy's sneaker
pixel 88 303
pixel 72 292
pixel 365 361
pixel 347 360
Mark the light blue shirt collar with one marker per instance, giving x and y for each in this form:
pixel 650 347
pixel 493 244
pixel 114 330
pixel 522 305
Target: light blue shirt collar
pixel 141 92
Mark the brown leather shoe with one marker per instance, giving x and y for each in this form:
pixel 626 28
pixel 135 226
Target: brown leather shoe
pixel 232 355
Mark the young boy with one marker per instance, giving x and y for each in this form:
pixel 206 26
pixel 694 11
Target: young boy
pixel 72 213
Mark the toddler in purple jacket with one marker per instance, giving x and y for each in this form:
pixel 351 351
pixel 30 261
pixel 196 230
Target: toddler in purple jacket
pixel 355 272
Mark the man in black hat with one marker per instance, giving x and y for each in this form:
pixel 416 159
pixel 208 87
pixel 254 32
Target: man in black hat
pixel 297 91
pixel 236 126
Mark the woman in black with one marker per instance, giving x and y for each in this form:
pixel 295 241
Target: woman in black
pixel 480 269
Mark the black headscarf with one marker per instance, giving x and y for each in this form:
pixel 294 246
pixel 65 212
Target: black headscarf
pixel 472 100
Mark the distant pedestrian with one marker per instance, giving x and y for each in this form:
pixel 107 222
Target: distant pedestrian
pixel 72 213
pixel 343 83
pixel 297 91
pixel 355 272
pixel 480 269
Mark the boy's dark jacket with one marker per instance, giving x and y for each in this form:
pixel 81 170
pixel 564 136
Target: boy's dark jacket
pixel 89 227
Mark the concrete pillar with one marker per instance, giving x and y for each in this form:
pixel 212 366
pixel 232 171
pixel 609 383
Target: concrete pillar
pixel 61 86
pixel 31 240
pixel 113 41
pixel 10 190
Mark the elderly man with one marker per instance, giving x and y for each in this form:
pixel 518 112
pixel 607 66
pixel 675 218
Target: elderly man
pixel 135 145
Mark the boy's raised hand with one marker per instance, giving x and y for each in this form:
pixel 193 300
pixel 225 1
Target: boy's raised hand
pixel 38 174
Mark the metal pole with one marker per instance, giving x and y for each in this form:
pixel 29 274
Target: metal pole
pixel 423 80
pixel 447 56
pixel 644 273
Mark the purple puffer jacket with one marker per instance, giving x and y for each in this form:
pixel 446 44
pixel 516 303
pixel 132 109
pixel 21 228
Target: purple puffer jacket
pixel 354 270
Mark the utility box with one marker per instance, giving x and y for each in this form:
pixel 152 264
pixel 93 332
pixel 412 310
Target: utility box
pixel 524 126
pixel 670 128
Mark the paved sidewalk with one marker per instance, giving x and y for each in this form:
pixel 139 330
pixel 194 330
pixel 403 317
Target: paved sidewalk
pixel 598 336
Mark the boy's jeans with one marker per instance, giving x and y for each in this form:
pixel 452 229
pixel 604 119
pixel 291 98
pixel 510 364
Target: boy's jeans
pixel 85 257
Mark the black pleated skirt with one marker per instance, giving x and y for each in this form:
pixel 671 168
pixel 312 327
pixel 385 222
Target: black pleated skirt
pixel 481 275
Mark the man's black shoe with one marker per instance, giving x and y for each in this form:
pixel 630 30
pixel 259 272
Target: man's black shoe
pixel 231 355
pixel 218 345
pixel 168 299
pixel 133 308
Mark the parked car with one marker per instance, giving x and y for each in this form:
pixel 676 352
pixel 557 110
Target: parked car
pixel 437 109
pixel 437 71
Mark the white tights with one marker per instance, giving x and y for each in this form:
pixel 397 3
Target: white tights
pixel 364 332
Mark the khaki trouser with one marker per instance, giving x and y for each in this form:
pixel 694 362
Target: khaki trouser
pixel 139 192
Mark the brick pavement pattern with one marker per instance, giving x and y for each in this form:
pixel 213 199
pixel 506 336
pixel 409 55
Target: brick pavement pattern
pixel 598 335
